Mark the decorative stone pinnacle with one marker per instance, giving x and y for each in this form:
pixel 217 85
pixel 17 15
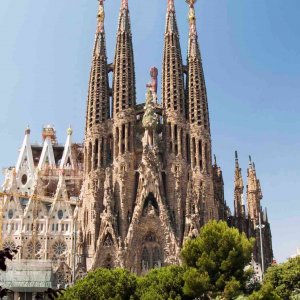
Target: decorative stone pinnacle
pixel 101 16
pixel 70 130
pixel 27 130
pixel 236 159
pixel 191 2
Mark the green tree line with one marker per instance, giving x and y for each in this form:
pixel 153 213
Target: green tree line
pixel 215 265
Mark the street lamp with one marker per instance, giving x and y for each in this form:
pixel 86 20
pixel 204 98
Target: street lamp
pixel 260 226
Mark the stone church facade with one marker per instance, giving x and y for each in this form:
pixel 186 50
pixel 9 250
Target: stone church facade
pixel 149 181
pixel 144 179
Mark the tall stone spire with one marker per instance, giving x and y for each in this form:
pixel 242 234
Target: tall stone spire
pixel 98 96
pixel 174 115
pixel 97 140
pixel 198 106
pixel 239 208
pixel 172 77
pixel 124 94
pixel 124 118
pixel 200 139
pixel 254 194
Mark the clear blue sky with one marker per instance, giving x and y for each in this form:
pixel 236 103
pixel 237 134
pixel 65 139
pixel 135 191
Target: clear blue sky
pixel 251 57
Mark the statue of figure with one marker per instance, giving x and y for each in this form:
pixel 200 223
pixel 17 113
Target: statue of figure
pixel 107 190
pixel 153 84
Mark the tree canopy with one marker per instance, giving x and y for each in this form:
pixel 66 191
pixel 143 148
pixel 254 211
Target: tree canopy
pixel 103 284
pixel 216 261
pixel 162 284
pixel 213 266
pixel 283 279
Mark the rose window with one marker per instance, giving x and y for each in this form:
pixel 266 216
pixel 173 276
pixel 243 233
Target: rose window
pixel 59 248
pixel 9 244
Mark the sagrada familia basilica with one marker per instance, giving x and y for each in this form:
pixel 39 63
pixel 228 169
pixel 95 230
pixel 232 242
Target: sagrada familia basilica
pixel 144 179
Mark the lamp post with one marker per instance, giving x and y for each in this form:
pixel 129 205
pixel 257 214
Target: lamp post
pixel 260 226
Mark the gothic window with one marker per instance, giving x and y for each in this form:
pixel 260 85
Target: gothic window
pixel 60 214
pixel 200 155
pixel 96 147
pixel 108 241
pixel 145 260
pixel 10 214
pixel 89 238
pixel 151 256
pixel 59 248
pixel 33 248
pixel 156 258
pixel 90 157
pixel 24 179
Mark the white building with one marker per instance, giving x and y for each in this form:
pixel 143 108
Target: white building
pixel 39 205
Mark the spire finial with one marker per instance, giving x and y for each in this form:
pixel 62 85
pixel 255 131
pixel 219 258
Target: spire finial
pixel 215 159
pixel 70 130
pixel 125 4
pixel 101 16
pixel 236 159
pixel 250 160
pixel 192 16
pixel 27 130
pixel 171 6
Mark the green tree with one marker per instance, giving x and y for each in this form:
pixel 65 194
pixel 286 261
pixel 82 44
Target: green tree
pixel 284 278
pixel 265 293
pixel 162 284
pixel 103 284
pixel 216 262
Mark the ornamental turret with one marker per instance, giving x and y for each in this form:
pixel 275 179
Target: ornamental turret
pixel 239 207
